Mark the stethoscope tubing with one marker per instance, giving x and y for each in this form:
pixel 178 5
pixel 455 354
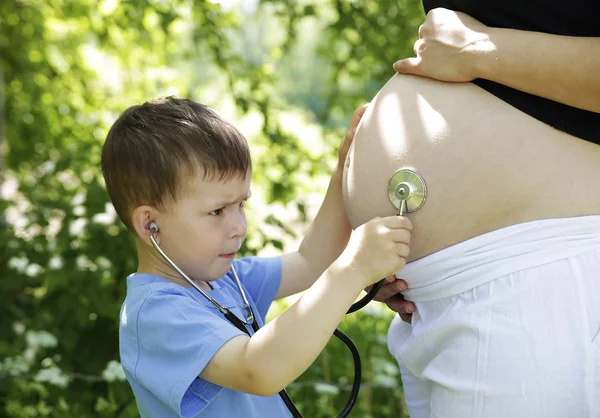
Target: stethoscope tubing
pixel 185 276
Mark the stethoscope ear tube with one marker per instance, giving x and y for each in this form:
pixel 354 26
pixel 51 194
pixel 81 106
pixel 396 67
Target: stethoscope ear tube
pixel 183 275
pixel 235 321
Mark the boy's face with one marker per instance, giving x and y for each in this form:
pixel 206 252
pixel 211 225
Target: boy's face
pixel 203 231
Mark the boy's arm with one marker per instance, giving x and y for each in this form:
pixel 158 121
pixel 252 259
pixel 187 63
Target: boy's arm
pixel 285 347
pixel 328 234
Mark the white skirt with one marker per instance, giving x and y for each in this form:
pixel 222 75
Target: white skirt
pixel 506 325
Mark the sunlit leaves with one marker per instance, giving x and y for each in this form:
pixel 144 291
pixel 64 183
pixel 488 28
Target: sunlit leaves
pixel 69 67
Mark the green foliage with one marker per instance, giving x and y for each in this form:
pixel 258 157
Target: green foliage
pixel 292 73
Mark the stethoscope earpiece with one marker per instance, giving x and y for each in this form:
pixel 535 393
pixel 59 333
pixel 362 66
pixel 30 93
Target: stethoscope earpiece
pixel 153 227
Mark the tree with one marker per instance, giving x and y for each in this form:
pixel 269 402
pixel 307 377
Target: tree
pixel 68 69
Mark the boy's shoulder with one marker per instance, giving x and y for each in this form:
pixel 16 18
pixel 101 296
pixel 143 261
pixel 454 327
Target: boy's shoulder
pixel 141 286
pixel 260 277
pixel 156 310
pixel 152 301
pixel 250 266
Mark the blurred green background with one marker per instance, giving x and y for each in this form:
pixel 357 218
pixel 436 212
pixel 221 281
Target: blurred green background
pixel 287 73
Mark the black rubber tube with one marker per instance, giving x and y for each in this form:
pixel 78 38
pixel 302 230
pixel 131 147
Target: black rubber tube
pixel 340 335
pixel 367 298
pixel 355 358
pixel 355 382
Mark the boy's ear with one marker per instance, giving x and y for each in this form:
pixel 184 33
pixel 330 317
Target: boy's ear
pixel 141 217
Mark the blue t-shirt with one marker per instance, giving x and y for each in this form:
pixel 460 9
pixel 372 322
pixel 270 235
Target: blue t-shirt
pixel 168 334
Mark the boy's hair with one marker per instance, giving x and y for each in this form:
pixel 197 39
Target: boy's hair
pixel 153 150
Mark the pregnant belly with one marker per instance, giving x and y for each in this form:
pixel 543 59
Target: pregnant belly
pixel 486 164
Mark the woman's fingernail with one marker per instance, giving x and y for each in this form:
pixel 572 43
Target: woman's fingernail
pixel 410 309
pixel 401 287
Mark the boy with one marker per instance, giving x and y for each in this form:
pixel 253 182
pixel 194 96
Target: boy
pixel 178 164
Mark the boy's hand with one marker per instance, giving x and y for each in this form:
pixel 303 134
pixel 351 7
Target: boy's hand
pixel 378 248
pixel 349 137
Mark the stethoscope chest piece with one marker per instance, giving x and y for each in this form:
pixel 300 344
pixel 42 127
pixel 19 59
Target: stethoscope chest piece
pixel 407 190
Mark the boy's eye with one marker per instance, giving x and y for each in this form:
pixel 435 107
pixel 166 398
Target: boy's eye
pixel 216 212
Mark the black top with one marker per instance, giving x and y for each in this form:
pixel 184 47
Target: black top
pixel 559 17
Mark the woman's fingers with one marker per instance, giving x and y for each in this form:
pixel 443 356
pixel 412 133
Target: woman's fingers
pixel 391 296
pixel 357 115
pixel 397 304
pixel 406 317
pixel 391 287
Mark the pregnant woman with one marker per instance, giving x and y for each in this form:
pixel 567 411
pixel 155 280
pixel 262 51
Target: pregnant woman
pixel 504 269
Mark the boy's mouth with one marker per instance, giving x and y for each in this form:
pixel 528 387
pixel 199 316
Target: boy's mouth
pixel 230 255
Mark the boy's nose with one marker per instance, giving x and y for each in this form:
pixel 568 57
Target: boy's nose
pixel 239 226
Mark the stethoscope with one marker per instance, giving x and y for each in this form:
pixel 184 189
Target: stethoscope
pixel 407 192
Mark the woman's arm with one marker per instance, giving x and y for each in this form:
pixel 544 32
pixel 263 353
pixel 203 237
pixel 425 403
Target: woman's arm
pixel 453 46
pixel 565 69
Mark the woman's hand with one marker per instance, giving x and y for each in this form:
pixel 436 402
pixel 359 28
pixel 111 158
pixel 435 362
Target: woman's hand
pixel 448 47
pixel 349 137
pixel 390 294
